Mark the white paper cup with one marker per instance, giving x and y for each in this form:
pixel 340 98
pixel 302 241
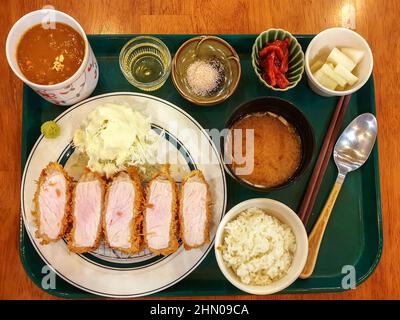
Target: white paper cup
pixel 338 37
pixel 80 85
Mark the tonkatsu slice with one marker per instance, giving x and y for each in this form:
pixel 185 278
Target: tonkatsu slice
pixel 122 212
pixel 52 203
pixel 87 207
pixel 160 215
pixel 194 210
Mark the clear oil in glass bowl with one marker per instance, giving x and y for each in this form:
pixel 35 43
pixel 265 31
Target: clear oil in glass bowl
pixel 145 62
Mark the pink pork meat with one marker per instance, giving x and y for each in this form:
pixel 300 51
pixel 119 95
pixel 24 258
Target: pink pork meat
pixel 87 207
pixel 160 215
pixel 122 214
pixel 52 203
pixel 194 210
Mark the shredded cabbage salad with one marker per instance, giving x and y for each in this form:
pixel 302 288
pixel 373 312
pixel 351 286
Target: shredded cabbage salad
pixel 115 136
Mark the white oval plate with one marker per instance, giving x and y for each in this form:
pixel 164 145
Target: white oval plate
pixel 107 272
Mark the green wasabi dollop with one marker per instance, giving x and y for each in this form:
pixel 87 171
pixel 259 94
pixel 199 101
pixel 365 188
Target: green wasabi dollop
pixel 50 129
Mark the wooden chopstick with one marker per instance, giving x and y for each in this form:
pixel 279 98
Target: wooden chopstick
pixel 323 159
pixel 304 207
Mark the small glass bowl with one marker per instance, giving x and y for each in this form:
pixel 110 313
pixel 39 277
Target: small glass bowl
pixel 140 46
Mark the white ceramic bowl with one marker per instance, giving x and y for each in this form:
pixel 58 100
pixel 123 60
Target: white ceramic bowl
pixel 338 37
pixel 284 214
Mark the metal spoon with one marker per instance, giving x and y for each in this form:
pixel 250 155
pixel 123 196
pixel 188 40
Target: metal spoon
pixel 351 151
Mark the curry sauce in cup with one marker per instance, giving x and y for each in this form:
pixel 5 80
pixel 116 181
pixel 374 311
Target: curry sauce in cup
pixel 50 56
pixel 49 51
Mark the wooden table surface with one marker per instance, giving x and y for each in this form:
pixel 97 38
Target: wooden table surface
pixel 376 20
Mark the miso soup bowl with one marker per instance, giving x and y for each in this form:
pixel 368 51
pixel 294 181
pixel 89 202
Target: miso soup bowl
pixel 291 114
pixel 80 85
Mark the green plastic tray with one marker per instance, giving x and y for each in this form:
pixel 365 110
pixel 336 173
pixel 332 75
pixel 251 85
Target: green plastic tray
pixel 354 234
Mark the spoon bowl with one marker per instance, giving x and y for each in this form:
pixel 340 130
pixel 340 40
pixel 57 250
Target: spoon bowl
pixel 355 143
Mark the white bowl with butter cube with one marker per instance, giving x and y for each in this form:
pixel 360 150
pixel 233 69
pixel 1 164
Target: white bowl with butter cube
pixel 338 62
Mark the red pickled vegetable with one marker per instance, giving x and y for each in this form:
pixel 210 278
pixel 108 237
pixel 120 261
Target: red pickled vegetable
pixel 271 69
pixel 274 63
pixel 281 80
pixel 284 66
pixel 272 48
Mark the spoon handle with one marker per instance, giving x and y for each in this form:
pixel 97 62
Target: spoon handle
pixel 317 234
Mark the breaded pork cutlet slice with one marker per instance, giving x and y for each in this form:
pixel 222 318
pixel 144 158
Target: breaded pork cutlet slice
pixel 160 214
pixel 194 210
pixel 52 203
pixel 87 208
pixel 122 216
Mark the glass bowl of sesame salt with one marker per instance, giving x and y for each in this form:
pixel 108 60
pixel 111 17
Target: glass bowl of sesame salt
pixel 206 70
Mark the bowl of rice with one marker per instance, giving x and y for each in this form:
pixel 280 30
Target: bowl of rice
pixel 261 246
